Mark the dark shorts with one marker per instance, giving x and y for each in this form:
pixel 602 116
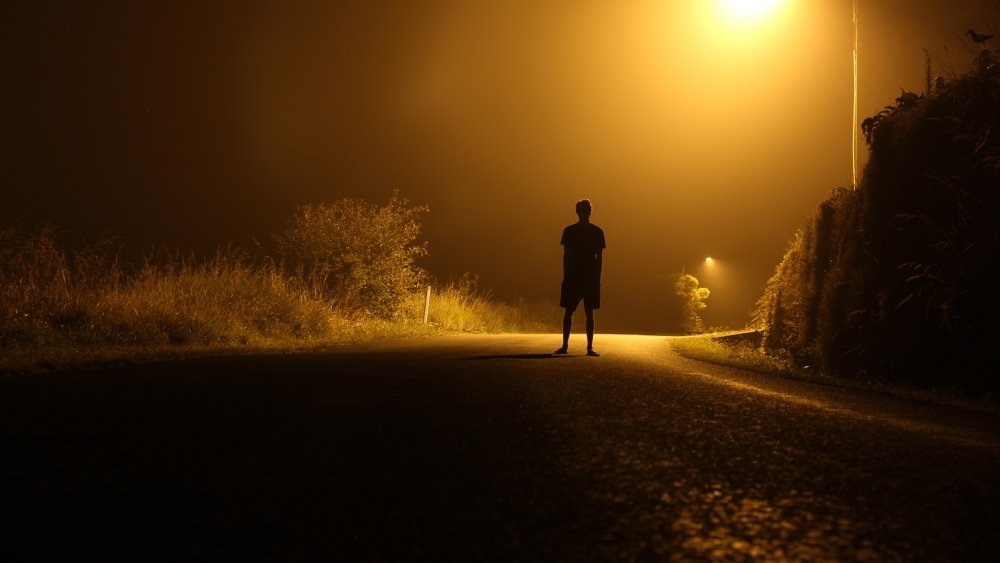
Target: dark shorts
pixel 573 291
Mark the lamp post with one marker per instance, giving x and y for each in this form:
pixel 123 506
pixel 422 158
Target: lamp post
pixel 854 112
pixel 749 11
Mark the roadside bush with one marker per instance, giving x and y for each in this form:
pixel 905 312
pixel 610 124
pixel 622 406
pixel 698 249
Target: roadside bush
pixel 358 255
pixel 895 281
pixel 693 299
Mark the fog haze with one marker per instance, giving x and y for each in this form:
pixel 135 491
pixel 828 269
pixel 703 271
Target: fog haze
pixel 193 126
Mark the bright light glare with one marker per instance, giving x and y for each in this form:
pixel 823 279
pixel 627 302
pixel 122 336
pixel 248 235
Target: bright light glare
pixel 708 260
pixel 748 11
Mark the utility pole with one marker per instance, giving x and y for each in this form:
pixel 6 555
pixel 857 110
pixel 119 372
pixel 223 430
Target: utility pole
pixel 854 112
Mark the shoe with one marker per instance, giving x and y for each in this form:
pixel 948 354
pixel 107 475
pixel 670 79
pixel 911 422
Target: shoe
pixel 592 353
pixel 560 351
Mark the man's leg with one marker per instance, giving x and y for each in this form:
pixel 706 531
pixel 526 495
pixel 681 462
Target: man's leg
pixel 567 326
pixel 589 311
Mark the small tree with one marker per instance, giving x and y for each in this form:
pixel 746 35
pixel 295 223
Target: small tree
pixel 355 253
pixel 692 302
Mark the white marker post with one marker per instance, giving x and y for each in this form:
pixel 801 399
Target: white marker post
pixel 427 304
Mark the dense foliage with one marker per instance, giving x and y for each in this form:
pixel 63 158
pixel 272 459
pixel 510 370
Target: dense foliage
pixel 693 303
pixel 895 280
pixel 359 255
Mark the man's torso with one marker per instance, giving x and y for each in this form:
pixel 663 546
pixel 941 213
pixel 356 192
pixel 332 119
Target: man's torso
pixel 582 245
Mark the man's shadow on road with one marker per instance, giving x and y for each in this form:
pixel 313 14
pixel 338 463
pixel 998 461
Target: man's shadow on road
pixel 518 357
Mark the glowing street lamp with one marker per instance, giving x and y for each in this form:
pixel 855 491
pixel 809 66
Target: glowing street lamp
pixel 710 271
pixel 751 12
pixel 708 262
pixel 748 11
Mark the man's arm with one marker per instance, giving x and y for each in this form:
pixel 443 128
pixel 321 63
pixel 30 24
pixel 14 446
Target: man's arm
pixel 566 250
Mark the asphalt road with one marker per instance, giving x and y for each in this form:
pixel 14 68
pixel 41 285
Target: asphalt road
pixel 485 448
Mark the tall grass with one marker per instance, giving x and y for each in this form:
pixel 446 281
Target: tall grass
pixel 225 299
pixel 460 305
pixel 59 306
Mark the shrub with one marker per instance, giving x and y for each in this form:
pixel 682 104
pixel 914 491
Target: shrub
pixel 359 255
pixel 896 279
pixel 693 302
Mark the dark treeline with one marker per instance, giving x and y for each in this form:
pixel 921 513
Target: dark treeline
pixel 895 281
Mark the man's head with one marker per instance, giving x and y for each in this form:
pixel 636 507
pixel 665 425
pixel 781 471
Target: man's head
pixel 583 208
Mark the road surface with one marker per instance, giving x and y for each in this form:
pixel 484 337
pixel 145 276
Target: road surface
pixel 485 448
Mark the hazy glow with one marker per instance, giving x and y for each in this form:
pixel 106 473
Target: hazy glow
pixel 748 11
pixel 691 124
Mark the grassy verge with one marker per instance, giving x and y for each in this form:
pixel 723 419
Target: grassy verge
pixel 61 309
pixel 79 348
pixel 459 306
pixel 734 348
pixel 739 349
pixel 207 329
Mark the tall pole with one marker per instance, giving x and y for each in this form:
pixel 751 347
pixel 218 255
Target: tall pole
pixel 427 304
pixel 854 112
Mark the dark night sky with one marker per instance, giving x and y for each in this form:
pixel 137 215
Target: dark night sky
pixel 197 124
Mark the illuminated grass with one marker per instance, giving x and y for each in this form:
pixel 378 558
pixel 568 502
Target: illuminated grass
pixel 460 306
pixel 736 349
pixel 62 308
pixel 739 349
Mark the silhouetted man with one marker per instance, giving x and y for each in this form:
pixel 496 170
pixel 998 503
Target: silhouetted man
pixel 583 249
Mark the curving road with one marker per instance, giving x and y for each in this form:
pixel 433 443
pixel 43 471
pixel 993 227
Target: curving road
pixel 485 448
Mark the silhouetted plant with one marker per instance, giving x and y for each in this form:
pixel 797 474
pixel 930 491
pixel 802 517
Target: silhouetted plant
pixel 692 302
pixel 871 124
pixel 357 254
pixel 895 280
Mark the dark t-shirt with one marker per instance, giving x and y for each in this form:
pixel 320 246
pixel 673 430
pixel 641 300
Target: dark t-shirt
pixel 582 244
